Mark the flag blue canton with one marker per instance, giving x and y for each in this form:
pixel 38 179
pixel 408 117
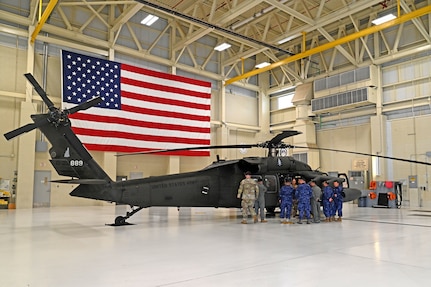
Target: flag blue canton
pixel 86 77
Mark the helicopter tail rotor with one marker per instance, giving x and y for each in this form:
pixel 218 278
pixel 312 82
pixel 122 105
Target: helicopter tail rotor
pixel 55 115
pixel 69 156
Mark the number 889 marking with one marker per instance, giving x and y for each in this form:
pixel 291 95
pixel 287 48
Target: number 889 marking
pixel 76 162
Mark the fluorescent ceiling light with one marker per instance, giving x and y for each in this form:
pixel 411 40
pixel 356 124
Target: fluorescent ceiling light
pixel 263 64
pixel 288 39
pixel 383 19
pixel 149 20
pixel 222 47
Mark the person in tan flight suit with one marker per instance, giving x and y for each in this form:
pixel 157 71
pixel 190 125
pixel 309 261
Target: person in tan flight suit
pixel 248 191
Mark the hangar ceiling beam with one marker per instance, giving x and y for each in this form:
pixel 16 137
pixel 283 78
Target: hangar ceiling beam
pixel 126 15
pixel 42 20
pixel 314 24
pixel 328 19
pixel 225 32
pixel 233 13
pixel 419 25
pixel 339 48
pixel 329 45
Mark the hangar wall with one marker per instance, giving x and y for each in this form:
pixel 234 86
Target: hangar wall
pixel 239 116
pixel 352 138
pixel 403 105
pixel 240 126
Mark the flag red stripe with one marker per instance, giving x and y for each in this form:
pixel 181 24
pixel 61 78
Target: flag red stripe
pixel 142 124
pixel 147 98
pixel 165 76
pixel 139 137
pixel 168 89
pixel 168 114
pixel 126 149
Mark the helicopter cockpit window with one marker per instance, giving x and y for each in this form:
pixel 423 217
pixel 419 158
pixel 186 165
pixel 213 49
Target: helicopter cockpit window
pixel 270 182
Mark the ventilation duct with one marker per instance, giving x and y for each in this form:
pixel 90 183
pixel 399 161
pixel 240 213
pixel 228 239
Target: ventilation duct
pixel 345 100
pixel 303 94
pixel 351 80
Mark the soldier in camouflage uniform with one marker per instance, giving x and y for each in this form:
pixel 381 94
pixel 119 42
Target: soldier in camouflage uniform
pixel 248 191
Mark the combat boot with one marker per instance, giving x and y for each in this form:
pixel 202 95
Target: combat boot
pixel 327 219
pixel 244 221
pixel 263 220
pixel 339 219
pixel 299 221
pixel 308 221
pixel 255 219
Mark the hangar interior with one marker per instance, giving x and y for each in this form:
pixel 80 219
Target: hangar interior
pixel 343 81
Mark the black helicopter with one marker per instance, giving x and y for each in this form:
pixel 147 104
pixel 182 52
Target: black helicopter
pixel 213 186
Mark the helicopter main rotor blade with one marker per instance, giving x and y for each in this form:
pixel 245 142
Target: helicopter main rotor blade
pixel 362 153
pixel 84 106
pixel 192 148
pixel 285 134
pixel 25 129
pixel 272 143
pixel 40 91
pixel 21 130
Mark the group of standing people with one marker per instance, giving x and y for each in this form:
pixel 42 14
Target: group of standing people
pixel 306 199
pixel 302 196
pixel 296 196
pixel 332 200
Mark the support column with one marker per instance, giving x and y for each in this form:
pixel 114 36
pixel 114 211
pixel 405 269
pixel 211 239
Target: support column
pixel 26 159
pixel 378 135
pixel 26 142
pixel 109 158
pixel 173 164
pixel 223 131
pixel 378 147
pixel 304 123
pixel 264 117
pixel 308 139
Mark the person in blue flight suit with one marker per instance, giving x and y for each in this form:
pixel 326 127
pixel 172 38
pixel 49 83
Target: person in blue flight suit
pixel 304 195
pixel 286 201
pixel 327 201
pixel 338 201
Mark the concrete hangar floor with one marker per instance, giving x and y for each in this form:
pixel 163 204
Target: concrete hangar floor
pixel 72 246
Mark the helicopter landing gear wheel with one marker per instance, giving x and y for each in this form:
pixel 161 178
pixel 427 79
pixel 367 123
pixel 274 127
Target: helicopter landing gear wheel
pixel 121 220
pixel 270 209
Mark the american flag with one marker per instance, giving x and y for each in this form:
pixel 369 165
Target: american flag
pixel 142 110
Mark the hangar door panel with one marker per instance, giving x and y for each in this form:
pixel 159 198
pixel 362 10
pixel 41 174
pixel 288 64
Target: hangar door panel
pixel 42 188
